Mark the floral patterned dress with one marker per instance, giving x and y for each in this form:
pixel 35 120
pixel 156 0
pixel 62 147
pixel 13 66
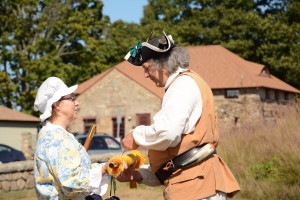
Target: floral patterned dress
pixel 62 167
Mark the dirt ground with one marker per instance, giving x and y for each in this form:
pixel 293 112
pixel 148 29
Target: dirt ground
pixel 123 192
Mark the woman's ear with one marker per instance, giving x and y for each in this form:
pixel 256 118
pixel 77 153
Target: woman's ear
pixel 56 105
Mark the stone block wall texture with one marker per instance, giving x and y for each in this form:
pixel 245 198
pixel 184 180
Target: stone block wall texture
pixel 27 145
pixel 18 175
pixel 250 108
pixel 115 94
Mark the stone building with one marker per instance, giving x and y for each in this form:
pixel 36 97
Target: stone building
pixel 121 98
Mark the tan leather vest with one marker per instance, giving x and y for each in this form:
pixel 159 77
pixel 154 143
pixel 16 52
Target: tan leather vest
pixel 205 131
pixel 207 177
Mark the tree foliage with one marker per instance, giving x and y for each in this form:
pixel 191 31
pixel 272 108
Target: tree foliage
pixel 119 37
pixel 48 38
pixel 74 41
pixel 262 31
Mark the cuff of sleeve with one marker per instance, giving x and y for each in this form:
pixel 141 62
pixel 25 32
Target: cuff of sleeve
pixel 98 183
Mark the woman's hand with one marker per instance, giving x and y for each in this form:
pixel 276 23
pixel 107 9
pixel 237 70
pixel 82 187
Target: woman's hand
pixel 104 169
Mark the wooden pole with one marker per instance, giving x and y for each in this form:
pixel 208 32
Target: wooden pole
pixel 88 140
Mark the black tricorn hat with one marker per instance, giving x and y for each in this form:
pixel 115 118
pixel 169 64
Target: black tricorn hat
pixel 150 49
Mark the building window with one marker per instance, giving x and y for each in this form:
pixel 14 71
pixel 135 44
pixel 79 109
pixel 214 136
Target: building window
pixel 143 119
pixel 277 95
pixel 88 122
pixel 286 96
pixel 232 93
pixel 268 94
pixel 118 126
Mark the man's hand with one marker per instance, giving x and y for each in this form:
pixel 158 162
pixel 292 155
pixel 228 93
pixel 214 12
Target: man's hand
pixel 128 142
pixel 129 174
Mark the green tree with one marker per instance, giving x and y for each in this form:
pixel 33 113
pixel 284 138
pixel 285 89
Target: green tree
pixel 262 31
pixel 46 38
pixel 118 39
pixel 281 40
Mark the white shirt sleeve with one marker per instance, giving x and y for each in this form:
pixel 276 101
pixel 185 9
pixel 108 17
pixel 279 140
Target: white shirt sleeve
pixel 98 183
pixel 181 109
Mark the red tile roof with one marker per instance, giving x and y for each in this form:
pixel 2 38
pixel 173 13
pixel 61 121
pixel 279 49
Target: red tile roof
pixel 132 72
pixel 219 67
pixel 7 114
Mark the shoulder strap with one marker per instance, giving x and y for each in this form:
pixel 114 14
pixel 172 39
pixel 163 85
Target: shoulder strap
pixel 180 74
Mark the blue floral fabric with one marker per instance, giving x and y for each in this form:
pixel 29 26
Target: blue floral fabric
pixel 61 168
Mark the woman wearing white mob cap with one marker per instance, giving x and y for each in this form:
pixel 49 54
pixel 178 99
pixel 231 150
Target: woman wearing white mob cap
pixel 62 167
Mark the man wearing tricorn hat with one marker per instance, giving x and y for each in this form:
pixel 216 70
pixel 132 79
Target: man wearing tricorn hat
pixel 183 138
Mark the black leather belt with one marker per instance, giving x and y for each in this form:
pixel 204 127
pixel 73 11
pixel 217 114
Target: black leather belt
pixel 178 162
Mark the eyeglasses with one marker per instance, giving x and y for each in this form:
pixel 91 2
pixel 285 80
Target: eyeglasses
pixel 72 98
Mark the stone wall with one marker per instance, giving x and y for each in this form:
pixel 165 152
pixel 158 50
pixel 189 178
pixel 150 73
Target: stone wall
pixel 250 108
pixel 18 175
pixel 115 94
pixel 28 142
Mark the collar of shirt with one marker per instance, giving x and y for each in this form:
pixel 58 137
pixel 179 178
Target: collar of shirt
pixel 173 76
pixel 48 125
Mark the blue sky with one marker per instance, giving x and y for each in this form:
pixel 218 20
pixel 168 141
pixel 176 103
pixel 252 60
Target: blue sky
pixel 127 10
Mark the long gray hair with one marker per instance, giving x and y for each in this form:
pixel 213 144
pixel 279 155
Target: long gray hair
pixel 177 57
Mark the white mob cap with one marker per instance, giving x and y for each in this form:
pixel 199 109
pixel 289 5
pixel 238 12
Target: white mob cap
pixel 50 92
